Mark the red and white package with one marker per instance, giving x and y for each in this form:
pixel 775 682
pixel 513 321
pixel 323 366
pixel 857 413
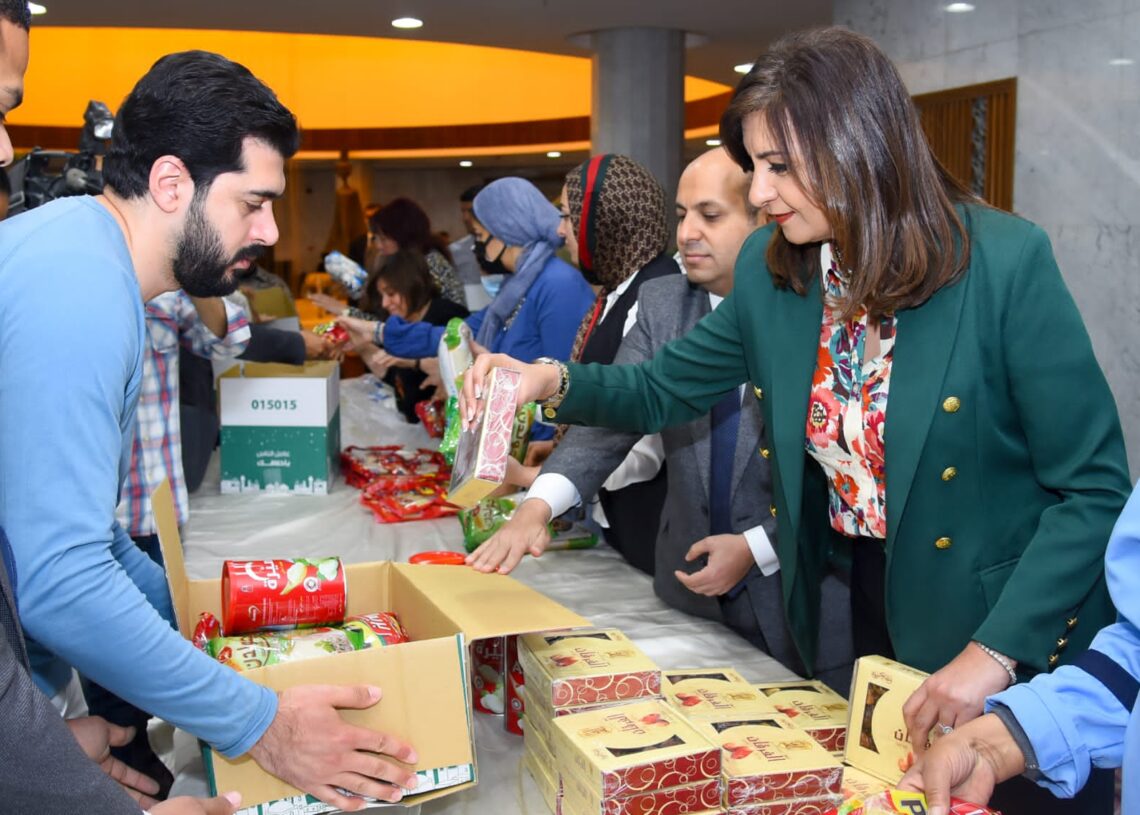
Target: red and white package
pixel 365 465
pixel 407 498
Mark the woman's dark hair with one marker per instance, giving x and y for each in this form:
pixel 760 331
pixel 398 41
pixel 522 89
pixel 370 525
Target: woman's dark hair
pixel 407 274
pixel 405 222
pixel 836 108
pixel 200 107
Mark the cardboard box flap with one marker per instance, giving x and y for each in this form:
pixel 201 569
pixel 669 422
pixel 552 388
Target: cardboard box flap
pixel 488 605
pixel 428 714
pixel 166 523
pixel 317 370
pixel 272 302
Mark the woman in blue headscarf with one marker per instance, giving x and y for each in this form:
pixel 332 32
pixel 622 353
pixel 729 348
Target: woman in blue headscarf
pixel 542 300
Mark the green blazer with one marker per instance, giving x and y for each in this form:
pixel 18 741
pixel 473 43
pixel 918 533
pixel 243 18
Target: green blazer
pixel 1005 462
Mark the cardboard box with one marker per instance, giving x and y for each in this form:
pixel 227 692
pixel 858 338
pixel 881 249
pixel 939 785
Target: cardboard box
pixel 820 805
pixel 275 308
pixel 425 682
pixel 549 786
pixel 484 448
pixel 813 707
pixel 877 740
pixel 634 748
pixel 580 799
pixel 701 692
pixel 858 784
pixel 767 758
pixel 280 427
pixel 591 667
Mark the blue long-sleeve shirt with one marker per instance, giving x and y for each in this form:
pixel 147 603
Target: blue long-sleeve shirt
pixel 545 325
pixel 1073 719
pixel 71 338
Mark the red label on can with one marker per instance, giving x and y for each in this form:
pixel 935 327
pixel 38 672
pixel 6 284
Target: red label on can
pixel 259 594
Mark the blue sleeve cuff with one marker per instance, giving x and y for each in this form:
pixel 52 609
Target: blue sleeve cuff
pixel 1063 760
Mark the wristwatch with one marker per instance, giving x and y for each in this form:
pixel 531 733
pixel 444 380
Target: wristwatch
pixel 550 405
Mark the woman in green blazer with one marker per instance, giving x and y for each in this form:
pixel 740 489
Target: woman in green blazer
pixel 973 470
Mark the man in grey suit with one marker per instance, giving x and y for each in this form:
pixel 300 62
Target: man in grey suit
pixel 717 515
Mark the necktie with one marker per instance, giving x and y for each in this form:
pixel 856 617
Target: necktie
pixel 725 423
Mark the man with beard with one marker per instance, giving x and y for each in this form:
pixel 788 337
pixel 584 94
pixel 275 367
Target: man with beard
pixel 196 160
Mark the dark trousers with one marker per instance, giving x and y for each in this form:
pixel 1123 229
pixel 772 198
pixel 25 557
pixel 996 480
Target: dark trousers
pixel 101 702
pixel 1017 796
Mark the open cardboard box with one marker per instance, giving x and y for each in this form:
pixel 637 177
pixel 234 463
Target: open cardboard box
pixel 425 682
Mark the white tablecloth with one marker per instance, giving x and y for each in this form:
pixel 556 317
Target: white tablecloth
pixel 597 584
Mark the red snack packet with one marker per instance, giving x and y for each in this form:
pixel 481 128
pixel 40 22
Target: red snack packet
pixel 431 414
pixel 892 801
pixel 377 628
pixel 364 465
pixel 333 331
pixel 259 594
pixel 207 629
pixel 407 498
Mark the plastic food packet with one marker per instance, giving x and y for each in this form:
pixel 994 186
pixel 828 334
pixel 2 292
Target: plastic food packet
pixel 520 432
pixel 431 413
pixel 346 271
pixel 376 629
pixel 452 429
pixel 207 629
pixel 407 498
pixel 455 355
pixel 485 518
pixel 333 331
pixel 364 465
pixel 890 802
pixel 259 594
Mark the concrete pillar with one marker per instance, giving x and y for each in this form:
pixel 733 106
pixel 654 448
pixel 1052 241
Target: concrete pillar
pixel 639 99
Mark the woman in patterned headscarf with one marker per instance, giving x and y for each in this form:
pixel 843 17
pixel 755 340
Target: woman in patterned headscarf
pixel 615 224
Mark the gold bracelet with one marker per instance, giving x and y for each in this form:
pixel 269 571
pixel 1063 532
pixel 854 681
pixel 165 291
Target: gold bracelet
pixel 550 405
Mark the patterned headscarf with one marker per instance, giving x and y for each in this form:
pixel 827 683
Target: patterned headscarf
pixel 515 212
pixel 618 212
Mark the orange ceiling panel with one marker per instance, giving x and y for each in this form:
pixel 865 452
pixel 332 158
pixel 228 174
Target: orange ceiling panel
pixel 330 82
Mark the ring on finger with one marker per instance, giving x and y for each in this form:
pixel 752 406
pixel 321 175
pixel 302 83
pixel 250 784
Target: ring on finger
pixel 945 729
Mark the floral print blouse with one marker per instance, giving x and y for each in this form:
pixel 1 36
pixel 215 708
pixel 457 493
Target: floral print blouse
pixel 847 410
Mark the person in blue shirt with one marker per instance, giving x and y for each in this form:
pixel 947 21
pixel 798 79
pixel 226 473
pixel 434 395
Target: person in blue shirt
pixel 195 163
pixel 1059 726
pixel 542 301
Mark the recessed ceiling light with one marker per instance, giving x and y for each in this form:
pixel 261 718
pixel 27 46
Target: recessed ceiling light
pixel 958 8
pixel 712 142
pixel 466 163
pixel 407 22
pixel 36 8
pixel 554 154
pixel 742 68
pixel 1121 61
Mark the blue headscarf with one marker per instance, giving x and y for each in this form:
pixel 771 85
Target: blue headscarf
pixel 515 212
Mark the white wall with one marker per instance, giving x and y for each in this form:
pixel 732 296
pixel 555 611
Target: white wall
pixel 1077 171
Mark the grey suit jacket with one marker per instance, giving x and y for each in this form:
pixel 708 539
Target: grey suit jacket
pixel 667 308
pixel 42 769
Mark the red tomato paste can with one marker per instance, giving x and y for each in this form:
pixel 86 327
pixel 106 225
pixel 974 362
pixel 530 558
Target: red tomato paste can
pixel 258 594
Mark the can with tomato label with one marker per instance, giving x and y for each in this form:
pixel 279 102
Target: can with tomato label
pixel 260 594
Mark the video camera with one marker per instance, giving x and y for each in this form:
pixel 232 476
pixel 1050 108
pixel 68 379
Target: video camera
pixel 44 175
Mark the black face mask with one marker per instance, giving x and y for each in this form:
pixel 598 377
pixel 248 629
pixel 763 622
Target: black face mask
pixel 486 264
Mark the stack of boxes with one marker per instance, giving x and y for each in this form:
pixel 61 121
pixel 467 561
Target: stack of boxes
pixel 571 672
pixel 814 708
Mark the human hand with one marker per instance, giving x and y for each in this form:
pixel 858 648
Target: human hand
pixel 321 347
pixel 520 475
pixel 476 348
pixel 537 452
pixel 729 559
pixel 311 747
pixel 538 382
pixel 329 304
pixel 361 332
pixel 226 804
pixel 967 763
pixel 432 378
pixel 96 737
pixel 953 695
pixel 378 360
pixel 525 532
